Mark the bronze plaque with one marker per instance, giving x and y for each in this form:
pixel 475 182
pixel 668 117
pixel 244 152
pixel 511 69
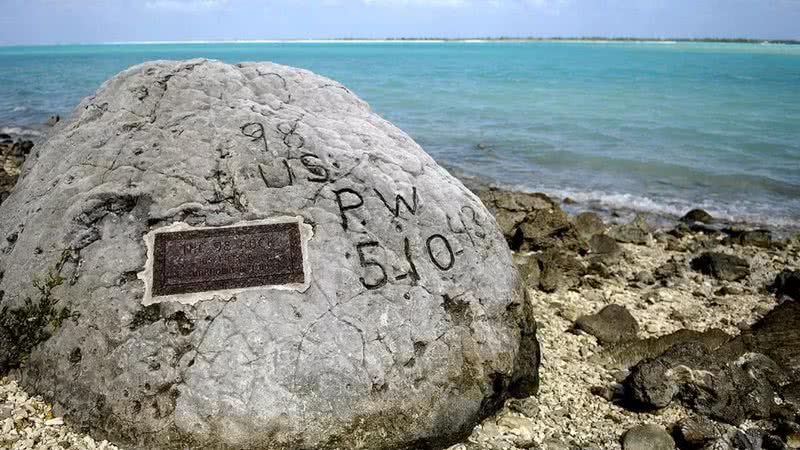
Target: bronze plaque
pixel 227 258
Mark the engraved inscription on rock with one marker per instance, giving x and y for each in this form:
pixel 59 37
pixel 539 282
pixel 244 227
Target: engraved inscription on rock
pixel 227 258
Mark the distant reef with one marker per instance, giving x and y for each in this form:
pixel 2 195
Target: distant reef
pixel 584 38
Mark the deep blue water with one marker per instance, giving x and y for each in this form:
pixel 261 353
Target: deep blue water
pixel 650 126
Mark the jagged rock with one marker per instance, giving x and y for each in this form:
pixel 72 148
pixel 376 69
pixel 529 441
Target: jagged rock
pixel 12 156
pixel 756 238
pixel 604 247
pixel 772 442
pixel 531 273
pixel 624 355
pixel 531 221
pixel 635 232
pixel 776 335
pixel 697 432
pixel 721 266
pixel 611 324
pixel 786 284
pixel 588 224
pixel 680 231
pixel 697 215
pixel 761 361
pixel 406 322
pixel 707 383
pixel 668 270
pixel 729 289
pixel 647 437
pixel 551 279
pixel 558 270
pixel 645 278
pixel 790 393
pixel 598 268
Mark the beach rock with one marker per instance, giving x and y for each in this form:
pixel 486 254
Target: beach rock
pixel 624 355
pixel 588 224
pixel 54 119
pixel 531 221
pixel 635 232
pixel 599 269
pixel 772 442
pixel 531 273
pixel 697 215
pixel 405 324
pixel 776 335
pixel 647 437
pixel 604 247
pixel 679 231
pixel 12 156
pixel 756 238
pixel 700 432
pixel 645 278
pixel 697 432
pixel 707 383
pixel 761 361
pixel 790 392
pixel 611 324
pixel 786 284
pixel 721 266
pixel 558 270
pixel 669 270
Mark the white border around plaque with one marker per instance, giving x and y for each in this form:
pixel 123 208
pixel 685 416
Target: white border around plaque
pixel 306 233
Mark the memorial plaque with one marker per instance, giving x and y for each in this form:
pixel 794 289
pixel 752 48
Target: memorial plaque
pixel 215 259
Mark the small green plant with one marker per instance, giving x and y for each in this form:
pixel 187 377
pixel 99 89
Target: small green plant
pixel 25 327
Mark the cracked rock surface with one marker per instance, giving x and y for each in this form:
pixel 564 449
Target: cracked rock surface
pixel 414 326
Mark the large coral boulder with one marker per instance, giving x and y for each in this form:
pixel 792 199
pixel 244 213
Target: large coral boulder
pixel 383 311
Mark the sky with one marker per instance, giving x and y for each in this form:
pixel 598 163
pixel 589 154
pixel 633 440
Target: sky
pixel 93 21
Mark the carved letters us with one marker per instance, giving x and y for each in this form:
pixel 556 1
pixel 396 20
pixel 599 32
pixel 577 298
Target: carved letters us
pixel 299 164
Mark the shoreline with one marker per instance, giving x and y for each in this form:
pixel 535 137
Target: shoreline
pixel 612 214
pixel 621 214
pixel 554 39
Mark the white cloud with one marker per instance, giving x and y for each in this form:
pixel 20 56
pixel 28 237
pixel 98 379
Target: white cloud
pixel 186 5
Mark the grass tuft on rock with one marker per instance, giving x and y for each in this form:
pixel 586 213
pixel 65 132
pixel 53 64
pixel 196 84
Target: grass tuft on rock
pixel 25 327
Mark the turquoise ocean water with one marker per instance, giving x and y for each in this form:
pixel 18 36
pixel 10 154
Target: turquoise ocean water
pixel 659 127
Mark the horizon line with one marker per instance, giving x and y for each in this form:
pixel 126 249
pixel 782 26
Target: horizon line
pixel 598 39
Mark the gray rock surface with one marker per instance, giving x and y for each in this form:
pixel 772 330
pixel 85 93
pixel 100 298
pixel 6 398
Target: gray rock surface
pixel 708 383
pixel 647 437
pixel 762 362
pixel 635 232
pixel 611 324
pixel 757 238
pixel 697 215
pixel 588 224
pixel 721 266
pixel 414 326
pixel 531 221
pixel 604 248
pixel 786 284
pixel 626 354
